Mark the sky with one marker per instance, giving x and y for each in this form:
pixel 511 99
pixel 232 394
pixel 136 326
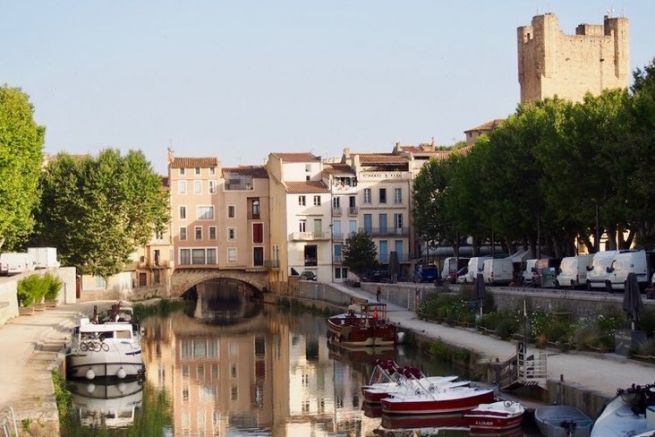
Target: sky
pixel 237 80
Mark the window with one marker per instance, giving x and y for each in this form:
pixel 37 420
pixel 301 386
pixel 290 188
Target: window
pixel 197 170
pixel 182 212
pixel 231 254
pixel 398 195
pixel 159 235
pixel 197 256
pixel 383 195
pixel 398 221
pixel 257 232
pixel 212 187
pixel 302 226
pixel 384 251
pixel 231 233
pixel 182 172
pixel 383 223
pixel 185 256
pixel 197 187
pixel 211 256
pixel 181 187
pixel 231 211
pixel 301 200
pixel 308 167
pixel 212 232
pixel 212 170
pixel 257 256
pixel 336 203
pixel 205 213
pixel 198 233
pixel 311 255
pixel 317 200
pixel 183 233
pixel 368 223
pixel 254 209
pixel 307 178
pixel 367 195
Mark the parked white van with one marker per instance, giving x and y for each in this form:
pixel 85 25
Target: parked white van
pixel 626 262
pixel 475 266
pixel 528 273
pixel 15 262
pixel 498 271
pixel 597 276
pixel 573 271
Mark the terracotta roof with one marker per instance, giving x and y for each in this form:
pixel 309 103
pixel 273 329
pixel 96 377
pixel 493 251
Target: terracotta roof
pixel 297 157
pixel 194 162
pixel 488 126
pixel 256 171
pixel 381 158
pixel 307 187
pixel 336 168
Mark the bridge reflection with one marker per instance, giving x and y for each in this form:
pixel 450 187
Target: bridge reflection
pixel 226 302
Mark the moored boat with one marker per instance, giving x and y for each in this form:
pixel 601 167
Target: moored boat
pixel 111 349
pixel 368 326
pixel 497 416
pixel 437 402
pixel 630 413
pixel 562 421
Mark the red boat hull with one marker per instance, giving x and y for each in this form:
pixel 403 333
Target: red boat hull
pixel 487 422
pixel 426 405
pixel 448 420
pixel 374 397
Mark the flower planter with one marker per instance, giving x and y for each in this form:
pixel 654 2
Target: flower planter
pixel 39 306
pixel 51 303
pixel 26 311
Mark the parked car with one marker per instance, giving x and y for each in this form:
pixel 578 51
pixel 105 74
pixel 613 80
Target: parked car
pixel 426 273
pixel 573 271
pixel 308 275
pixel 379 275
pixel 626 262
pixel 597 275
pixel 498 271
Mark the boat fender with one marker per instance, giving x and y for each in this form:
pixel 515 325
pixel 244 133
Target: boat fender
pixel 121 373
pixel 508 404
pixel 90 388
pixel 90 374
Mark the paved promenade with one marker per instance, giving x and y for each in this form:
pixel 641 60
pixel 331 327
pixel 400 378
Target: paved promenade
pixel 602 373
pixel 30 345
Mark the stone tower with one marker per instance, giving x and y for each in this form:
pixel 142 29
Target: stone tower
pixel 553 63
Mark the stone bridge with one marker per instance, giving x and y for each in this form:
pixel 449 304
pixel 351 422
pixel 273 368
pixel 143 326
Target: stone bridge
pixel 185 278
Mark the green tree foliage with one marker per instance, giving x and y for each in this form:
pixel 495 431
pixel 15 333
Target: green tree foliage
pixel 96 211
pixel 359 253
pixel 21 155
pixel 430 219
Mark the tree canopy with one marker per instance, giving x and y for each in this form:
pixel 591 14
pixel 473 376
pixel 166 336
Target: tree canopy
pixel 550 174
pixel 97 211
pixel 359 253
pixel 21 156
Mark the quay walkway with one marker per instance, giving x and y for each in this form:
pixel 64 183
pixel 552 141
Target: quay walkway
pixel 593 372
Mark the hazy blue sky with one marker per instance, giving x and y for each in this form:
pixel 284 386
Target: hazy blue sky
pixel 240 79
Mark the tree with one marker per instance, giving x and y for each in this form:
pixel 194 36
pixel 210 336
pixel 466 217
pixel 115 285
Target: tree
pixel 98 211
pixel 21 156
pixel 359 253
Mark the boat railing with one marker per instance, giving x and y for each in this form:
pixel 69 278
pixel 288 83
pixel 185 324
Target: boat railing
pixel 532 369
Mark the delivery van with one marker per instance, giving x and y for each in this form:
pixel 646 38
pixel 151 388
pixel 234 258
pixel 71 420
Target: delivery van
pixel 451 266
pixel 528 272
pixel 597 275
pixel 573 271
pixel 498 271
pixel 475 266
pixel 626 262
pixel 12 263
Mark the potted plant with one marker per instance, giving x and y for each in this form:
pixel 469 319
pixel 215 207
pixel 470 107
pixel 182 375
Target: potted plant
pixel 52 288
pixel 25 297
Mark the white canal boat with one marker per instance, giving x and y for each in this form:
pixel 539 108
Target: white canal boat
pixel 110 349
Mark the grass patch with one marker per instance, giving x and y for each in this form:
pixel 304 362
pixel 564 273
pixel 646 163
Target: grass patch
pixel 163 308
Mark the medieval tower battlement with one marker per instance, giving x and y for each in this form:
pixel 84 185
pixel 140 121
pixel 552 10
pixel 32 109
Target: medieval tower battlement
pixel 553 63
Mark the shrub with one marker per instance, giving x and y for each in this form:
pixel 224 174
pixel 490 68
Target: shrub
pixel 53 286
pixel 647 348
pixel 647 321
pixel 505 328
pixel 31 290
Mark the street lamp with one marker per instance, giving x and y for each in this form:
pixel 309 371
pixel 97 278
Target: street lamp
pixel 331 252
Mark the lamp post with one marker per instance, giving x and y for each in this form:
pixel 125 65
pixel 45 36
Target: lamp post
pixel 331 252
pixel 597 242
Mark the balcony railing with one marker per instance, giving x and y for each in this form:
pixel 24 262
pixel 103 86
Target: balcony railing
pixel 353 210
pixel 309 236
pixel 386 232
pixel 150 264
pixel 336 211
pixel 272 264
pixel 337 259
pixel 384 258
pixel 253 215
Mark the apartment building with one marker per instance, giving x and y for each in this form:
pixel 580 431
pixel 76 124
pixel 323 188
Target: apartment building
pixel 219 216
pixel 299 216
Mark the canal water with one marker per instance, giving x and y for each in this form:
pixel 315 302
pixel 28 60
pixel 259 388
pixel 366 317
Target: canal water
pixel 269 372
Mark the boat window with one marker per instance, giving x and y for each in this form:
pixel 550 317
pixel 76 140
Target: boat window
pixel 123 334
pixel 106 335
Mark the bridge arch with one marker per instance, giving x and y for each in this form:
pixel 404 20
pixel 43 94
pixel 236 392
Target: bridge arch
pixel 185 279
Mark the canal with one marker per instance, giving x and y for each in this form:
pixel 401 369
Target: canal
pixel 265 372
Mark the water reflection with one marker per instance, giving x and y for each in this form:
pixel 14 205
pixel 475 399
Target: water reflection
pixel 109 406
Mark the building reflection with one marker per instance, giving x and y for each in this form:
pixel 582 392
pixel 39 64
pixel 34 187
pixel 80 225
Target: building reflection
pixel 262 375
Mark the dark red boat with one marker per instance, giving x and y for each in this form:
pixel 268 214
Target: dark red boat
pixel 368 326
pixel 436 402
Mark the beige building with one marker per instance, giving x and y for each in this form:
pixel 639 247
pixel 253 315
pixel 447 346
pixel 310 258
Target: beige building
pixel 219 216
pixel 552 63
pixel 484 129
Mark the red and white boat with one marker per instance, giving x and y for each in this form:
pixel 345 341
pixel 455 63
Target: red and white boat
pixel 436 402
pixel 497 416
pixel 368 326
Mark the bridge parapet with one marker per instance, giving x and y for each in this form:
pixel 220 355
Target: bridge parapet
pixel 187 277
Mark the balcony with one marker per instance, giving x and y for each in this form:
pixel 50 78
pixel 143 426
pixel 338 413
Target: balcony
pixel 353 211
pixel 336 211
pixel 384 258
pixel 309 236
pixel 272 264
pixel 254 215
pixel 386 232
pixel 236 182
pixel 337 236
pixel 150 264
pixel 337 259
